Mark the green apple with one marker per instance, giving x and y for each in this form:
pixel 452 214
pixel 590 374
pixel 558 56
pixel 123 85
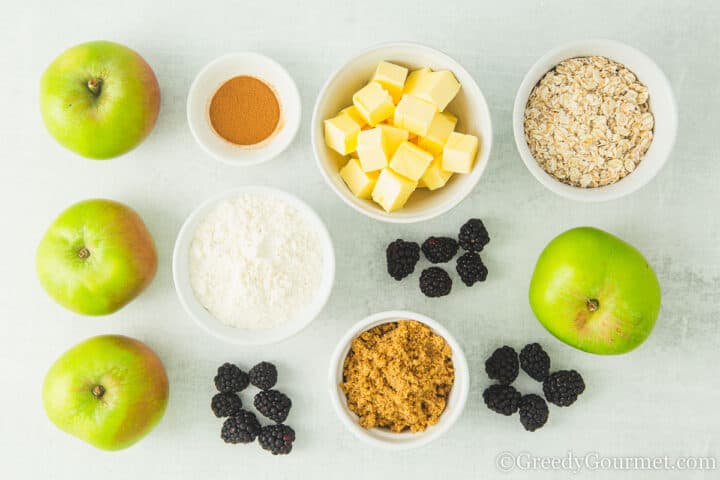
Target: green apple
pixel 109 391
pixel 595 292
pixel 96 257
pixel 99 99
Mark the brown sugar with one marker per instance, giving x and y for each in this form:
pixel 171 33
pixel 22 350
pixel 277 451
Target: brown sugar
pixel 244 111
pixel 398 376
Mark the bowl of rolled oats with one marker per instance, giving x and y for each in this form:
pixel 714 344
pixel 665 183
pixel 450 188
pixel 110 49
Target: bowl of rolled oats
pixel 595 120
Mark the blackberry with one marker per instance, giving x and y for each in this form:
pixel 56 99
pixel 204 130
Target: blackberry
pixel 263 375
pixel 435 282
pixel 225 404
pixel 439 249
pixel 471 268
pixel 533 412
pixel 402 257
pixel 473 235
pixel 278 439
pixel 535 361
pixel 503 365
pixel 273 405
pixel 230 378
pixel 240 428
pixel 563 387
pixel 502 399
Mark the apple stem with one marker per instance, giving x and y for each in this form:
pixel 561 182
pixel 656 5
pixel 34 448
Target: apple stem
pixel 83 253
pixel 95 85
pixel 98 391
pixel 592 304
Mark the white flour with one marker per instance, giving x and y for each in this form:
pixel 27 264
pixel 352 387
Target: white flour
pixel 255 262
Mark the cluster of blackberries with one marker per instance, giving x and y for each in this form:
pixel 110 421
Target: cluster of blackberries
pixel 242 426
pixel 402 257
pixel 561 388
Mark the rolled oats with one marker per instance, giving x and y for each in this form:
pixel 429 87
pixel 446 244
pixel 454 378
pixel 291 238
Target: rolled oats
pixel 588 122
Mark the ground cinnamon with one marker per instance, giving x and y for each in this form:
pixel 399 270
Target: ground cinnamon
pixel 244 110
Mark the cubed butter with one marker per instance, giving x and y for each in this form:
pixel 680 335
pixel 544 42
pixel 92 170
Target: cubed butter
pixel 440 129
pixel 374 103
pixel 438 88
pixel 359 182
pixel 394 137
pixel 414 115
pixel 411 161
pixel 376 146
pixel 459 153
pixel 341 134
pixel 354 114
pixel 392 78
pixel 413 78
pixel 392 190
pixel 435 177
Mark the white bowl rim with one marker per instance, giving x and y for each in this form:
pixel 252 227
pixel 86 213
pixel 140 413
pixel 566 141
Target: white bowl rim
pixel 292 123
pixel 598 194
pixel 462 381
pixel 212 325
pixel 479 167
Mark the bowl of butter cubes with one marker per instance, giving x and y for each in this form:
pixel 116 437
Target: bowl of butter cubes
pixel 401 133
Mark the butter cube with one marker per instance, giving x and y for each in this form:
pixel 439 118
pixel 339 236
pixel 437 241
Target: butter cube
pixel 392 78
pixel 435 177
pixel 459 153
pixel 410 161
pixel 440 129
pixel 392 191
pixel 413 78
pixel 360 183
pixel 421 183
pixel 414 115
pixel 438 88
pixel 376 146
pixel 374 103
pixel 354 114
pixel 341 134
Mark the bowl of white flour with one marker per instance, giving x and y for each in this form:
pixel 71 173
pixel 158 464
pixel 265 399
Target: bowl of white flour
pixel 254 265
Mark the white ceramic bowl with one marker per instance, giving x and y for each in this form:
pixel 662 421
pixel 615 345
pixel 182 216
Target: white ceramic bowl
pixel 194 308
pixel 662 105
pixel 217 72
pixel 469 106
pixel 384 438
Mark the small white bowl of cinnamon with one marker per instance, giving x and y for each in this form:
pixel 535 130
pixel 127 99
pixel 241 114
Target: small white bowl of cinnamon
pixel 244 108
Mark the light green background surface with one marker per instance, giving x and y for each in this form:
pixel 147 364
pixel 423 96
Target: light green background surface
pixel 659 400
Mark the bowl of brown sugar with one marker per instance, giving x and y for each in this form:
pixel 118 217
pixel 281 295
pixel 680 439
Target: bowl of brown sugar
pixel 398 380
pixel 243 108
